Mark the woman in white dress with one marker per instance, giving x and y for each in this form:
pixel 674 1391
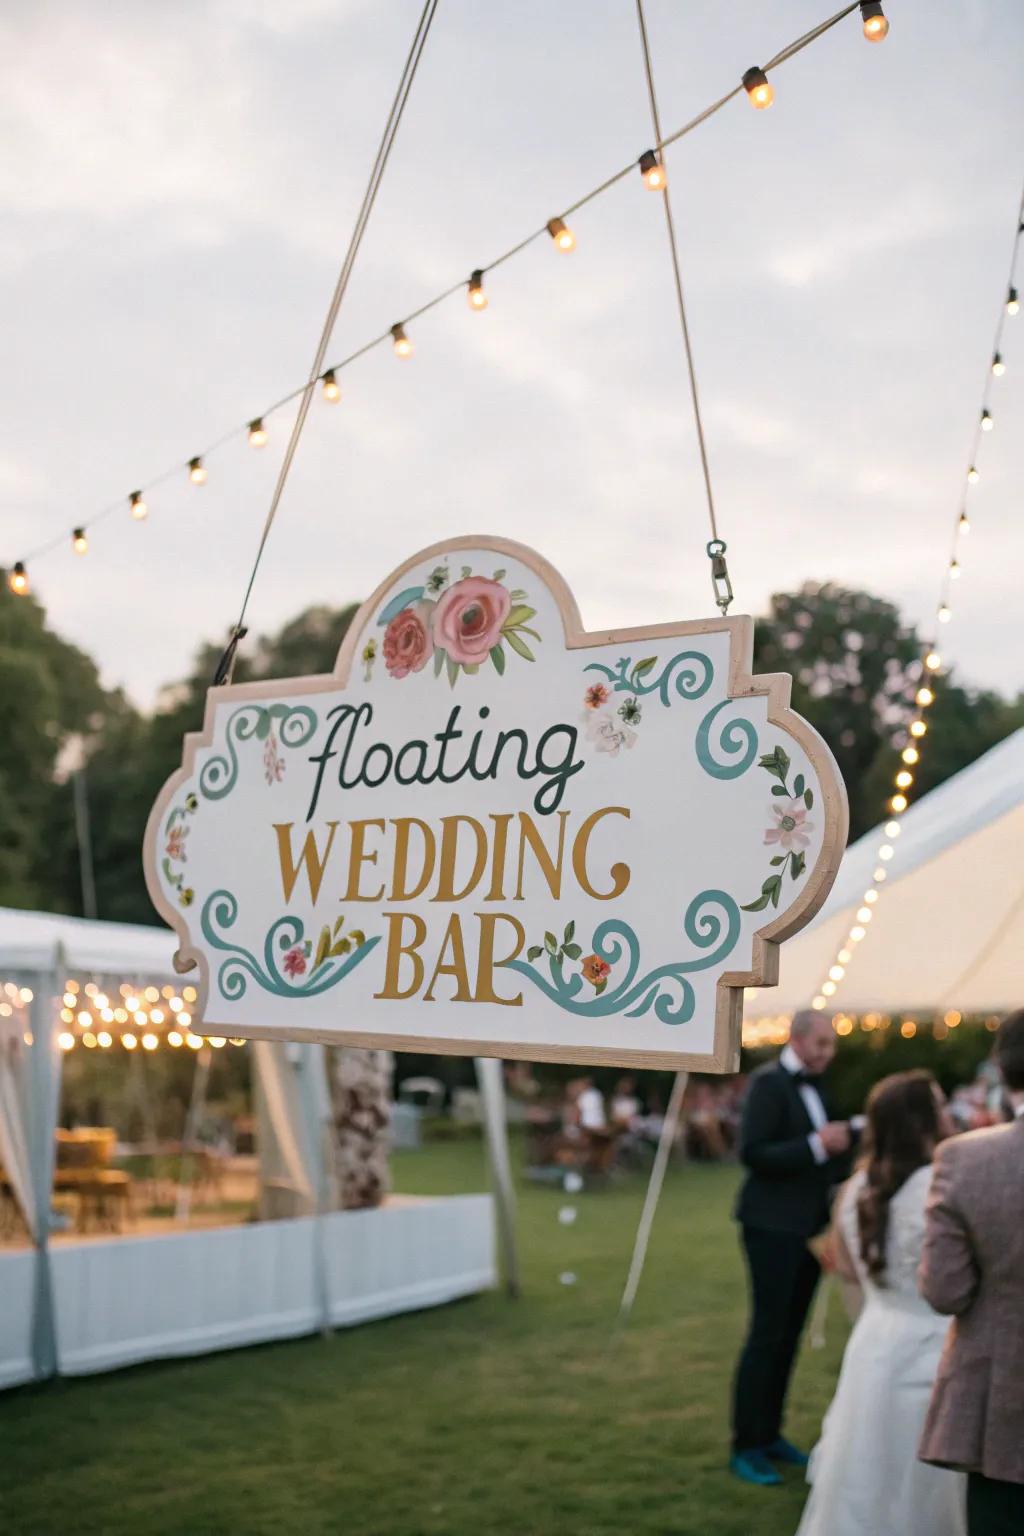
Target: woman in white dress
pixel 865 1477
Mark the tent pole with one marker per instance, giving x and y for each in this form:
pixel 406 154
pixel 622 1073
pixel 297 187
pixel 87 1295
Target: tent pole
pixel 492 1089
pixel 44 1068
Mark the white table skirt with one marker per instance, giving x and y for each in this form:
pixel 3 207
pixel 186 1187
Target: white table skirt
pixel 131 1299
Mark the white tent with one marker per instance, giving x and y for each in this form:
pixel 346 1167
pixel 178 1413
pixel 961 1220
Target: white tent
pixel 948 928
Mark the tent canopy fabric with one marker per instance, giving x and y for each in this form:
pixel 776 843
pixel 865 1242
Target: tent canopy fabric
pixel 30 940
pixel 948 928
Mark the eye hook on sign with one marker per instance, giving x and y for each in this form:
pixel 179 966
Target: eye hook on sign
pixel 720 582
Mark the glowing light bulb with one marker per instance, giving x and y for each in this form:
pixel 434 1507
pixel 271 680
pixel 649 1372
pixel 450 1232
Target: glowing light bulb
pixel 918 728
pixel 857 933
pixel 79 542
pixel 104 1039
pixel 332 389
pixel 475 292
pixel 137 506
pixel 886 852
pixel 1012 302
pixel 933 661
pixel 129 1041
pixel 973 475
pixel 879 875
pixel 233 1041
pixel 998 366
pixel 828 988
pixel 892 829
pixel 758 88
pixel 944 614
pixel 818 1003
pixel 836 973
pixel 964 525
pixel 194 1042
pixel 403 346
pixel 876 28
pixel 561 234
pixel 66 1040
pixel 924 697
pixel 184 1019
pixel 864 914
pixel 150 1041
pixel 844 957
pixel 898 802
pixel 955 569
pixel 870 895
pixel 904 778
pixel 217 1041
pixel 257 433
pixel 85 1018
pixel 89 1040
pixel 908 1029
pixel 910 754
pixel 132 1003
pixel 189 994
pixel 197 471
pixel 652 171
pixel 18 579
pixel 986 422
pixel 175 1037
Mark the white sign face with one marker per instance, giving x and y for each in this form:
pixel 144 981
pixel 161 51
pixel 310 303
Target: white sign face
pixel 489 832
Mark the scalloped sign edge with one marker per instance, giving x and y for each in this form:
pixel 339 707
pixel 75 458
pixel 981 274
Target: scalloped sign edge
pixel 741 683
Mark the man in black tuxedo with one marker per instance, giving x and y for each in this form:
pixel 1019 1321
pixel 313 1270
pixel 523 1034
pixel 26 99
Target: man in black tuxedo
pixel 795 1154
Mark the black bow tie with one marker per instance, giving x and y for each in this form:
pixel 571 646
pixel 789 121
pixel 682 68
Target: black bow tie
pixel 803 1076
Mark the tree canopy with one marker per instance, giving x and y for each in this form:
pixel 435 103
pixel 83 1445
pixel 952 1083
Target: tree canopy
pixel 855 665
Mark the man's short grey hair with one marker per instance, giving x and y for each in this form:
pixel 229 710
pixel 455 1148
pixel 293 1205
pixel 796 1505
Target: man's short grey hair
pixel 803 1022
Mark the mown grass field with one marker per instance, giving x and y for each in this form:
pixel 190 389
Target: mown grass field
pixel 486 1418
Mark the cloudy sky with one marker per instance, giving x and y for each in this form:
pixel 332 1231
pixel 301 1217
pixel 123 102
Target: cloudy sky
pixel 177 189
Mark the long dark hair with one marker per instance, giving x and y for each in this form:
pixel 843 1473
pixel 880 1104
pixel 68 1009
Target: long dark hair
pixel 902 1130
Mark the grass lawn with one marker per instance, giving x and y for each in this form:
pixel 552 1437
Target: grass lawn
pixel 486 1418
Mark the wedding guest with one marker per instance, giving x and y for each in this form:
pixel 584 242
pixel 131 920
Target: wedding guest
pixel 625 1104
pixel 795 1154
pixel 973 1269
pixel 865 1478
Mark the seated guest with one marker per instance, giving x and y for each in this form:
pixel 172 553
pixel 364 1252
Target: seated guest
pixel 865 1478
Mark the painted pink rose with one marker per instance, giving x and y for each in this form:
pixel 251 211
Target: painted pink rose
pixel 295 961
pixel 408 644
pixel 468 618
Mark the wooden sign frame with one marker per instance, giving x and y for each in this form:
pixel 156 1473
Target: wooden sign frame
pixel 740 685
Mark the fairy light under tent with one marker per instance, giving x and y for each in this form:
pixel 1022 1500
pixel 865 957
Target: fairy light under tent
pixel 754 83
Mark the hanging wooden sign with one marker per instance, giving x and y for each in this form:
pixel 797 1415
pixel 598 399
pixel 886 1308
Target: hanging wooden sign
pixel 491 833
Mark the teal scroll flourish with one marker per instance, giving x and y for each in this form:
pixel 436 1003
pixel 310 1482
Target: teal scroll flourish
pixel 691 681
pixel 735 739
pixel 711 923
pixel 220 911
pixel 295 725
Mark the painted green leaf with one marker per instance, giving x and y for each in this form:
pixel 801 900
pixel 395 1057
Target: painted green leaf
pixel 756 906
pixel 466 571
pixel 524 629
pixel 780 858
pixel 498 658
pixel 453 670
pixel 323 947
pixel 472 667
pixel 643 667
pixel 498 576
pixel 570 929
pixel 517 594
pixel 534 952
pixel 599 986
pixel 357 936
pixel 573 951
pixel 799 784
pixel 403 600
pixel 519 645
pixel 550 943
pixel 798 865
pixel 808 798
pixel 779 789
pixel 518 615
pixel 440 655
pixel 341 948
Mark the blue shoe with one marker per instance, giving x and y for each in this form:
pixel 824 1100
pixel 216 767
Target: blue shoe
pixel 784 1450
pixel 754 1467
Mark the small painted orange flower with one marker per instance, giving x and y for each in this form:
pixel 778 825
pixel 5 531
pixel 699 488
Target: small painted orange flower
pixel 596 695
pixel 595 970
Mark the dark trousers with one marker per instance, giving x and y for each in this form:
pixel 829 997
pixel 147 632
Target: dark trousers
pixel 994 1508
pixel 783 1277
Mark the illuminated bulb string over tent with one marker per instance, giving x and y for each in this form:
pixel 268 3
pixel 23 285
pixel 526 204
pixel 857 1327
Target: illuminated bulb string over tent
pixel 930 672
pixel 558 228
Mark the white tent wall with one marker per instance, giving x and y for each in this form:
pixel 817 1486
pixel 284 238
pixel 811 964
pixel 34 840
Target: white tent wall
pixel 124 1300
pixel 948 928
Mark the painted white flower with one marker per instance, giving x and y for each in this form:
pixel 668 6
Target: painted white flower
pixel 606 733
pixel 791 829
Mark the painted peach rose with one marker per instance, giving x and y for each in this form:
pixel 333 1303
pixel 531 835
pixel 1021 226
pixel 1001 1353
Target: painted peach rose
pixel 468 618
pixel 595 970
pixel 408 644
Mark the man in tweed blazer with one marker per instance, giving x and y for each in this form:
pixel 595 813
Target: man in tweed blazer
pixel 973 1269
